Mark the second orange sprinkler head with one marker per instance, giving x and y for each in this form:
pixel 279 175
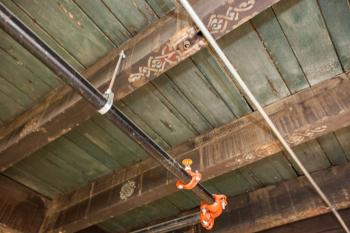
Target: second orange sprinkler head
pixel 209 212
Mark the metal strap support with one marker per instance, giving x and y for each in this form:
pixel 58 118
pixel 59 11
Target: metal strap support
pixel 109 95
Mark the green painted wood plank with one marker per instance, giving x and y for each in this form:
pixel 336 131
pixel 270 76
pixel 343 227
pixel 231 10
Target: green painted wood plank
pixel 105 20
pixel 111 226
pixel 75 177
pixel 181 115
pixel 337 17
pixel 157 210
pixel 132 219
pixel 69 26
pixel 272 170
pixel 280 51
pixel 202 95
pixel 78 158
pixel 249 176
pixel 51 171
pixel 343 137
pixel 153 109
pixel 150 212
pixel 134 15
pixel 27 179
pixel 223 84
pixel 114 152
pixel 247 53
pixel 14 71
pixel 166 208
pixel 43 34
pixel 142 124
pixel 12 91
pixel 77 137
pixel 211 186
pixel 183 201
pixel 282 166
pixel 302 22
pixel 161 7
pixel 160 209
pixel 333 149
pixel 174 96
pixel 311 156
pixel 232 184
pixel 119 136
pixel 9 108
pixel 23 57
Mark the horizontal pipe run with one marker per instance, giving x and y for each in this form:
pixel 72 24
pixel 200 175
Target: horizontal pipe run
pixel 21 33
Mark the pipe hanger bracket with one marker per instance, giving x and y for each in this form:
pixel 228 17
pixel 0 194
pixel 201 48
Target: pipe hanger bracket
pixel 109 95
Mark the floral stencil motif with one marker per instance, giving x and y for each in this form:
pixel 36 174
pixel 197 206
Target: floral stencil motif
pixel 177 49
pixel 309 133
pixel 127 190
pixel 218 23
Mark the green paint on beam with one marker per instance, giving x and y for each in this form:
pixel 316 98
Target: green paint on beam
pixel 302 23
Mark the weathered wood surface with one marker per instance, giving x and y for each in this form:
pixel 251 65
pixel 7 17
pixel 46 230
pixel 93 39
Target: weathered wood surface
pixel 306 115
pixel 326 223
pixel 286 203
pixel 21 210
pixel 149 54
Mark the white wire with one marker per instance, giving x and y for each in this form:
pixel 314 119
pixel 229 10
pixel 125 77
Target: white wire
pixel 257 105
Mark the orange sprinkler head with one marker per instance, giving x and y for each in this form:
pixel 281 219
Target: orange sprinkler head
pixel 209 212
pixel 196 176
pixel 187 163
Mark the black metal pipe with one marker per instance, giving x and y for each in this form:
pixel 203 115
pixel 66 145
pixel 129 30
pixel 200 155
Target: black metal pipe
pixel 21 33
pixel 171 225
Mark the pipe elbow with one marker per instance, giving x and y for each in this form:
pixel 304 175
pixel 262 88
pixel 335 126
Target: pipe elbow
pixel 196 177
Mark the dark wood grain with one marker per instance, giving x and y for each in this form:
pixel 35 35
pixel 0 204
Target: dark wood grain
pixel 281 208
pixel 21 210
pixel 302 117
pixel 322 224
pixel 164 45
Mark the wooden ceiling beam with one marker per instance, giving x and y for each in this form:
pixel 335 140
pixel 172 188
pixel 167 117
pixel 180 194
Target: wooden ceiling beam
pixel 21 209
pixel 321 224
pixel 288 202
pixel 162 46
pixel 301 117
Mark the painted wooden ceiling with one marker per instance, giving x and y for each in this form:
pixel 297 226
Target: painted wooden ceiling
pixel 287 48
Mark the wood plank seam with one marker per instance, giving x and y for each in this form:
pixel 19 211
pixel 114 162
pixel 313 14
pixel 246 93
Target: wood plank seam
pixel 43 123
pixel 301 117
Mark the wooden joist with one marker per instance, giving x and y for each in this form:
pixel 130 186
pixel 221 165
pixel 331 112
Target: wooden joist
pixel 21 209
pixel 164 45
pixel 301 117
pixel 326 223
pixel 287 203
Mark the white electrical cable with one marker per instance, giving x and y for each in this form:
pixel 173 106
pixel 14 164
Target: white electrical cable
pixel 257 105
